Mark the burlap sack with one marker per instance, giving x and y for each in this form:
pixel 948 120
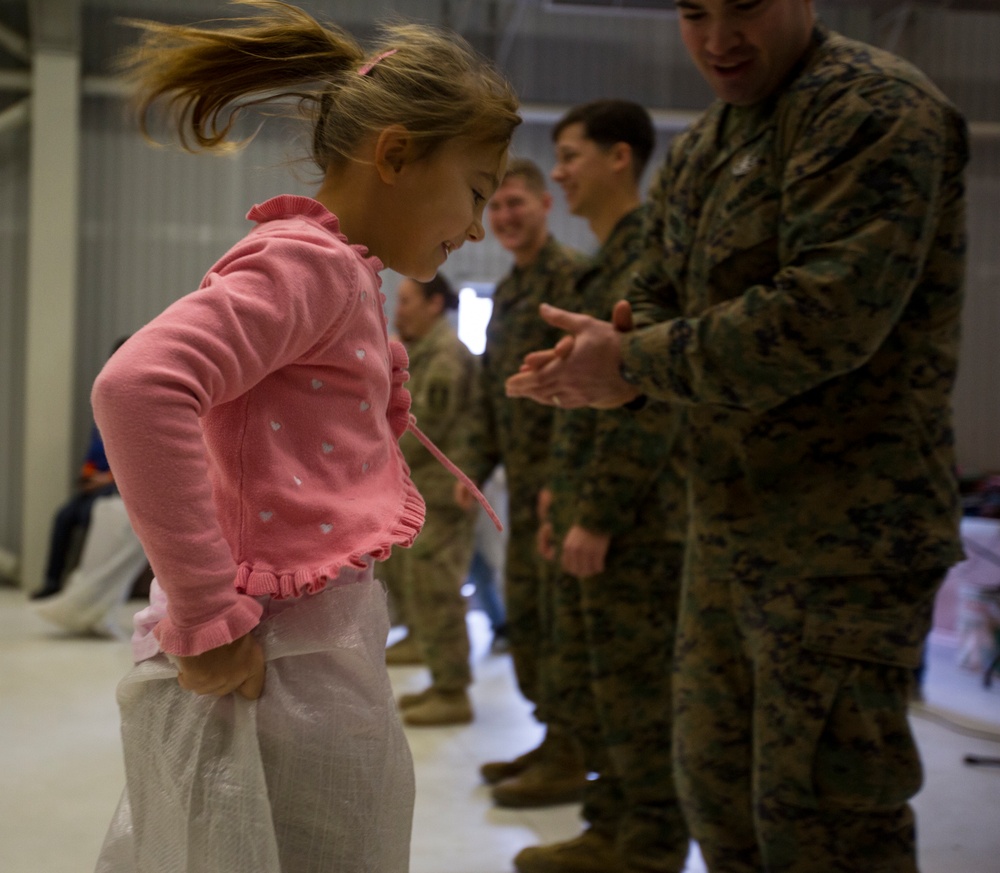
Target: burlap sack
pixel 314 777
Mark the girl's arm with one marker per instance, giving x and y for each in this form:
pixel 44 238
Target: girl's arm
pixel 264 306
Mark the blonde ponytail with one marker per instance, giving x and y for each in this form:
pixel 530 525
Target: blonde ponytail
pixel 425 79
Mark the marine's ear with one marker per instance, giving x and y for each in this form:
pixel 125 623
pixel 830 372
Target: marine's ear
pixel 620 156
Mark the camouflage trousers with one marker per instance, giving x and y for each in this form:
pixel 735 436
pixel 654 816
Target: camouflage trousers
pixel 431 574
pixel 523 582
pixel 607 680
pixel 792 746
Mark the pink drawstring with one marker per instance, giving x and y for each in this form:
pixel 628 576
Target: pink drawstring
pixel 458 474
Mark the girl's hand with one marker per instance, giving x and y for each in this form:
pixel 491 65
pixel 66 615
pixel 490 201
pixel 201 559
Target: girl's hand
pixel 237 666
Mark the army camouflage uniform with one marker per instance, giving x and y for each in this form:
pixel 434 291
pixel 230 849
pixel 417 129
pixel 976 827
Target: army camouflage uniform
pixel 608 675
pixel 804 272
pixel 443 382
pixel 515 433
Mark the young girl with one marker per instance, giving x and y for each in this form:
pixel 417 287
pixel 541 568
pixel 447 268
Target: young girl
pixel 253 432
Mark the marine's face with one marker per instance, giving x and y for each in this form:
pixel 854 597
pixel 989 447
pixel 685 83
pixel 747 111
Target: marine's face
pixel 519 216
pixel 416 313
pixel 745 48
pixel 583 169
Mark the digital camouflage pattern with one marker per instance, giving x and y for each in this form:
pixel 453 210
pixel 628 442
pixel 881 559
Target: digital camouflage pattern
pixel 616 471
pixel 793 751
pixel 515 433
pixel 443 385
pixel 607 677
pixel 804 269
pixel 805 264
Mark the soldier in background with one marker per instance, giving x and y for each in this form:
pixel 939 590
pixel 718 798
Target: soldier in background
pixel 516 433
pixel 615 535
pixel 800 297
pixel 442 385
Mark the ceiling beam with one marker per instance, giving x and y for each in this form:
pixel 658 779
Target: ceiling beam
pixel 15 44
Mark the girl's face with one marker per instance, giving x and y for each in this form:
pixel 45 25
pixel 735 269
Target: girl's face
pixel 438 205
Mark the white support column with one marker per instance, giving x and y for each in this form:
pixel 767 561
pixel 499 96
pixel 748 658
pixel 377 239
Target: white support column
pixel 51 294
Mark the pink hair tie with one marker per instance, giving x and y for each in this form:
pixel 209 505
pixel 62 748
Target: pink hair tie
pixel 367 68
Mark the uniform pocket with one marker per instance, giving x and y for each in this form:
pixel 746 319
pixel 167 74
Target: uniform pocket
pixel 839 733
pixel 863 635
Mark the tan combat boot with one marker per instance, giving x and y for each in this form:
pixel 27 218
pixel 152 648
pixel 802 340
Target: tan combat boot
pixel 557 776
pixel 439 708
pixel 405 701
pixel 496 771
pixel 403 653
pixel 588 853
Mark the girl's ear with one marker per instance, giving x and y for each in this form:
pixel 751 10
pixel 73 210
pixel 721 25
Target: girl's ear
pixel 393 150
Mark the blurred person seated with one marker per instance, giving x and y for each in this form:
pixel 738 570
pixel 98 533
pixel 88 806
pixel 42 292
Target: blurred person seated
pixel 73 518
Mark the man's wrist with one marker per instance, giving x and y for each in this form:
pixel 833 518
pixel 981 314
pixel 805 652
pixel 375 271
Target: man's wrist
pixel 629 377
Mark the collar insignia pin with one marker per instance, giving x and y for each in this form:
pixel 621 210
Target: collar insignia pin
pixel 745 164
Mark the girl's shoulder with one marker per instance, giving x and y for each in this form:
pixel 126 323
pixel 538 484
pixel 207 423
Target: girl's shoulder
pixel 294 211
pixel 296 238
pixel 296 218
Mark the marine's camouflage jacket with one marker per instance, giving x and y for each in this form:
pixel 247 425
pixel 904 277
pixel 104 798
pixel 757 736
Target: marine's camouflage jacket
pixel 515 432
pixel 805 268
pixel 614 471
pixel 443 384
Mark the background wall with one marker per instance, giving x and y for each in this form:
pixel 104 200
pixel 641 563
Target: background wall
pixel 152 220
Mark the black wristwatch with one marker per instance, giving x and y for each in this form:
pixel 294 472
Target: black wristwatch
pixel 635 403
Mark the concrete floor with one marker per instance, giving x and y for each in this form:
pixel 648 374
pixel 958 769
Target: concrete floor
pixel 62 774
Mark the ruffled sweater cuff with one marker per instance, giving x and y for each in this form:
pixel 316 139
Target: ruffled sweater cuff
pixel 237 621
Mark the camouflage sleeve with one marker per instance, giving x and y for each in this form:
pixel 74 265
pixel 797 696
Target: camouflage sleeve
pixel 631 451
pixel 862 189
pixel 540 424
pixel 440 400
pixel 627 453
pixel 479 452
pixel 649 291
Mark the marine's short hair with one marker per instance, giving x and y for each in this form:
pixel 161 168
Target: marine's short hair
pixel 607 122
pixel 529 171
pixel 440 285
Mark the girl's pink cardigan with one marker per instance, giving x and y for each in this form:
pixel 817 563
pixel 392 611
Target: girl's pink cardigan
pixel 252 427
